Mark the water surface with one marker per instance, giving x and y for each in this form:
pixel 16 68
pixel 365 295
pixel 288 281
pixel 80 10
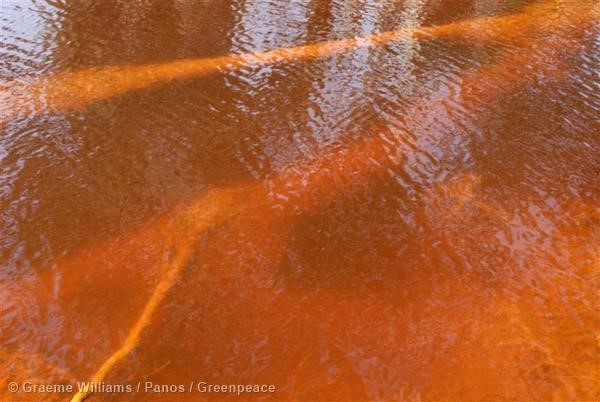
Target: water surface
pixel 355 200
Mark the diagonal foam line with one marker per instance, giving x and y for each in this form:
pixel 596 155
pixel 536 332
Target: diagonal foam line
pixel 76 90
pixel 220 204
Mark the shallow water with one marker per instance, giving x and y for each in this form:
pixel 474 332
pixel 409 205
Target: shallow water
pixel 366 200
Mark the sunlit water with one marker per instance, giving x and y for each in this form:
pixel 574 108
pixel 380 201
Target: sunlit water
pixel 350 200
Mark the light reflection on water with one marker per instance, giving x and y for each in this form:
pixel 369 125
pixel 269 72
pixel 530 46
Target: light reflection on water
pixel 416 219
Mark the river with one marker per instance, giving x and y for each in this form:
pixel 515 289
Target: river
pixel 391 200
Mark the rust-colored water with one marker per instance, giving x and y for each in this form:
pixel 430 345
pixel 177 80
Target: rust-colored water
pixel 349 200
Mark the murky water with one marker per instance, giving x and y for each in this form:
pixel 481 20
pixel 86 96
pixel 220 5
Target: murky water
pixel 350 200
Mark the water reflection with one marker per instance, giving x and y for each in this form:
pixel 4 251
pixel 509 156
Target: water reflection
pixel 76 90
pixel 349 219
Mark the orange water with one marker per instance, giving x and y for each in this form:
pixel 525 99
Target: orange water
pixel 368 200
